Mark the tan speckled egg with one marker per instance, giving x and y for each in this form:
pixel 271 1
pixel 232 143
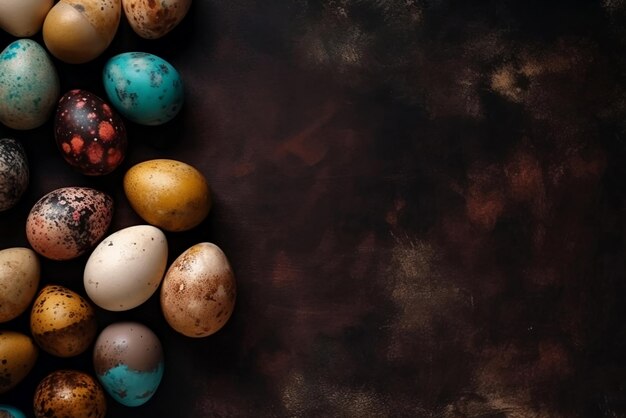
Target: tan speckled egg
pixel 77 31
pixel 69 393
pixel 62 322
pixel 153 19
pixel 23 18
pixel 19 279
pixel 168 194
pixel 199 291
pixel 18 355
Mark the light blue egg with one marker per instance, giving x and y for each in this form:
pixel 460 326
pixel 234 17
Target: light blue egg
pixel 29 85
pixel 11 411
pixel 131 387
pixel 144 88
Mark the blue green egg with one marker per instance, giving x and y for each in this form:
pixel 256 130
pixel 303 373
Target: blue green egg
pixel 11 412
pixel 143 87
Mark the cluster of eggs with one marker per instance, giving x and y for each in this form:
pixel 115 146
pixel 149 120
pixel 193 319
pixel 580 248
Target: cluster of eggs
pixel 197 290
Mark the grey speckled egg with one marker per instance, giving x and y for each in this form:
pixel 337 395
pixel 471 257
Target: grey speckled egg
pixel 29 85
pixel 67 222
pixel 14 173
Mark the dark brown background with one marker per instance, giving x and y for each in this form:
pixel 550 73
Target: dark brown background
pixel 423 202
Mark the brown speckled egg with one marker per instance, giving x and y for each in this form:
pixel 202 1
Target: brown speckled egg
pixel 19 279
pixel 18 355
pixel 67 222
pixel 153 19
pixel 198 292
pixel 69 393
pixel 90 135
pixel 62 322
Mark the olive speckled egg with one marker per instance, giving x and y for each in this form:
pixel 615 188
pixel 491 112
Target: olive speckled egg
pixel 62 322
pixel 14 173
pixel 29 85
pixel 128 359
pixel 18 355
pixel 67 222
pixel 69 393
pixel 154 19
pixel 143 87
pixel 199 290
pixel 89 134
pixel 7 411
pixel 19 279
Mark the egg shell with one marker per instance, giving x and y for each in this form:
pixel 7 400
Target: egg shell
pixel 89 134
pixel 14 173
pixel 128 359
pixel 29 85
pixel 143 87
pixel 62 322
pixel 152 19
pixel 19 280
pixel 167 193
pixel 126 268
pixel 18 355
pixel 69 393
pixel 199 291
pixel 78 31
pixel 7 411
pixel 23 18
pixel 68 222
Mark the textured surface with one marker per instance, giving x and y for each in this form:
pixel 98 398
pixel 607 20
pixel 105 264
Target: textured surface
pixel 423 203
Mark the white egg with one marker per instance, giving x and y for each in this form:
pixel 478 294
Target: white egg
pixel 126 268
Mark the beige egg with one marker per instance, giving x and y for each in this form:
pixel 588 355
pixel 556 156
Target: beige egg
pixel 62 322
pixel 19 279
pixel 153 19
pixel 23 18
pixel 69 393
pixel 77 31
pixel 169 194
pixel 199 291
pixel 18 355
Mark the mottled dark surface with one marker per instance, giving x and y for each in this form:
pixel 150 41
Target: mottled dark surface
pixel 423 203
pixel 69 393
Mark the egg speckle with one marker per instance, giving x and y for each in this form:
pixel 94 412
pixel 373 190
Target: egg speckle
pixel 18 355
pixel 62 322
pixel 151 19
pixel 67 222
pixel 69 393
pixel 14 173
pixel 19 279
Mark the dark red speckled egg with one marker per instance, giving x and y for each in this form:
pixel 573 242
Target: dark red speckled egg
pixel 67 222
pixel 90 135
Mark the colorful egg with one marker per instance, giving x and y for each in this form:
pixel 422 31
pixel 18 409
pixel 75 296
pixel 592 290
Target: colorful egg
pixel 198 292
pixel 29 85
pixel 18 355
pixel 128 359
pixel 168 193
pixel 23 18
pixel 62 322
pixel 14 173
pixel 7 411
pixel 90 135
pixel 67 222
pixel 69 393
pixel 126 268
pixel 152 19
pixel 143 87
pixel 19 279
pixel 78 31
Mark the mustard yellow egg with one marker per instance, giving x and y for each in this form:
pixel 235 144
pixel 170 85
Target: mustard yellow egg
pixel 19 279
pixel 77 31
pixel 62 322
pixel 69 393
pixel 168 194
pixel 18 355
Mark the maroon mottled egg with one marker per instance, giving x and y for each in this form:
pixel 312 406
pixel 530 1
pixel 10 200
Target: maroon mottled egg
pixel 90 135
pixel 67 222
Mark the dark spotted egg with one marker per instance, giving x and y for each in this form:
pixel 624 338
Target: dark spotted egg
pixel 14 173
pixel 67 222
pixel 69 393
pixel 90 134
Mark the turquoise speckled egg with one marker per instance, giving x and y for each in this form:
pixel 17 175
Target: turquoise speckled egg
pixel 29 85
pixel 11 412
pixel 143 87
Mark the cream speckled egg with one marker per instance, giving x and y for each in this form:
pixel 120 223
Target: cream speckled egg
pixel 153 19
pixel 199 291
pixel 62 322
pixel 69 393
pixel 19 279
pixel 18 355
pixel 77 31
pixel 126 268
pixel 23 18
